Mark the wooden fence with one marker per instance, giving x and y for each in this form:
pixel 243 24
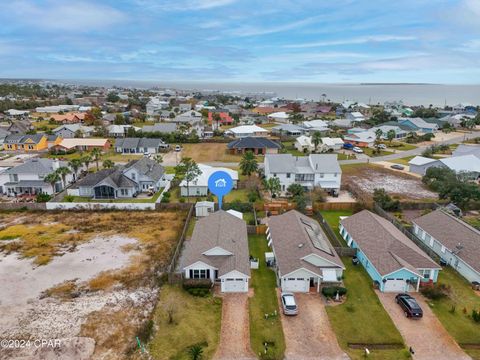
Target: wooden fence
pixel 338 246
pixel 256 230
pixel 172 277
pixel 337 206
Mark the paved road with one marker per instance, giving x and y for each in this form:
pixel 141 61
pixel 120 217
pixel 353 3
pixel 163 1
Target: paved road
pixel 417 151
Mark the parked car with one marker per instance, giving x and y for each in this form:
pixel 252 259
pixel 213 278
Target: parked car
pixel 409 306
pixel 397 167
pixel 348 146
pixel 289 304
pixel 357 150
pixel 178 148
pixel 382 146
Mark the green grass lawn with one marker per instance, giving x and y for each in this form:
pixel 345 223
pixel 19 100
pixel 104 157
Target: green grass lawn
pixel 169 169
pixel 128 200
pixel 197 320
pixel 263 302
pixel 401 146
pixel 362 318
pixel 289 146
pixel 342 156
pixel 237 194
pixel 191 226
pixel 369 151
pixel 403 161
pixel 459 324
pixel 333 219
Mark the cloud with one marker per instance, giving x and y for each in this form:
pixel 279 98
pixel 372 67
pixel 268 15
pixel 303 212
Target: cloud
pixel 470 46
pixel 255 31
pixel 354 41
pixel 78 16
pixel 184 5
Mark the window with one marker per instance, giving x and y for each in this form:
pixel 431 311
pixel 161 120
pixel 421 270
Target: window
pixel 426 274
pixel 288 175
pixel 304 177
pixel 274 175
pixel 335 175
pixel 443 249
pixel 134 176
pixel 322 175
pixel 200 274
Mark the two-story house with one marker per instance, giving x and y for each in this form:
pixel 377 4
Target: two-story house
pixel 29 178
pixel 315 170
pixel 27 143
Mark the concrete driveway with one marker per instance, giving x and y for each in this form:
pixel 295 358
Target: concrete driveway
pixel 427 336
pixel 235 332
pixel 309 334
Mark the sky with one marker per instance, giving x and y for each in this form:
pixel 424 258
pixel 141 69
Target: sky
pixel 341 41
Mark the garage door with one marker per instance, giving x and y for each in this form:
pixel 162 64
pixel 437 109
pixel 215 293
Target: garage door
pixel 295 284
pixel 235 285
pixel 394 285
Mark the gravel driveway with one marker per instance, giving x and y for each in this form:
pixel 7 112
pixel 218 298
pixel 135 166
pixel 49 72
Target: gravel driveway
pixel 235 332
pixel 309 335
pixel 427 336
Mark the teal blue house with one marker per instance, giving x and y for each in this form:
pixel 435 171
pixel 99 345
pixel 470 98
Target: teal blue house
pixel 418 124
pixel 393 261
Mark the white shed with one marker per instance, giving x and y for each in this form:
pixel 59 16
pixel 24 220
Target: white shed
pixel 204 208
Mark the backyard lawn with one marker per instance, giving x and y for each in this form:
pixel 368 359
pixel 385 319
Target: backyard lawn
pixel 290 148
pixel 401 146
pixel 264 302
pixel 333 219
pixel 237 194
pixel 362 318
pixel 209 152
pixel 369 151
pixel 403 161
pixel 459 324
pixel 196 320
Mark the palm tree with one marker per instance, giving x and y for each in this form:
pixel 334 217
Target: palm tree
pixel 87 159
pixel 96 154
pixel 316 139
pixel 52 179
pixel 158 158
pixel 248 164
pixel 63 171
pixel 75 164
pixel 272 185
pixel 108 164
pixel 195 352
pixel 391 135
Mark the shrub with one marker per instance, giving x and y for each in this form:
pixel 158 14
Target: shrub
pixel 476 315
pixel 68 198
pixel 200 292
pixel 436 292
pixel 197 283
pixel 182 200
pixel 331 291
pixel 41 198
pixel 146 331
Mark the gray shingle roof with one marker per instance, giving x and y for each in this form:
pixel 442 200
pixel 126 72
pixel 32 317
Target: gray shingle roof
pixel 22 138
pixel 147 167
pixel 253 143
pixel 290 230
pixel 160 127
pixel 314 163
pixel 387 248
pixel 40 166
pixel 223 230
pixel 134 143
pixel 450 232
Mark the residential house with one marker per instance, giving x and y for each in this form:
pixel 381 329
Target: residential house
pixel 279 117
pixel 355 116
pixel 303 255
pixel 164 128
pixel 466 164
pixel 304 144
pixel 331 144
pixel 418 124
pixel 20 127
pixel 257 145
pixel 70 131
pixel 399 132
pixel 466 149
pixel 68 118
pixel 199 186
pixel 365 138
pixel 3 134
pixel 314 170
pixel 247 131
pixel 17 113
pixel 53 140
pixel 140 145
pixel 224 118
pixel 218 250
pixel 29 178
pixel 456 242
pixel 342 123
pixel 392 260
pixel 155 105
pixel 120 130
pixel 127 181
pixel 83 144
pixel 56 108
pixel 189 117
pixel 288 130
pixel 315 125
pixel 27 143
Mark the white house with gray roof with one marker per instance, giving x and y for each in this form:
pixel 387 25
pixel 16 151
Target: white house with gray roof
pixel 140 145
pixel 218 250
pixel 70 131
pixel 29 178
pixel 304 257
pixel 315 170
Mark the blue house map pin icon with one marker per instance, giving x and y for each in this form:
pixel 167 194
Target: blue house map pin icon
pixel 220 183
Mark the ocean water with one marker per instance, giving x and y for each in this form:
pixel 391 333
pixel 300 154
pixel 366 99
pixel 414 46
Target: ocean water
pixel 411 94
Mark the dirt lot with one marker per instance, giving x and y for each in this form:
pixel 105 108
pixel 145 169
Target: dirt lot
pixel 209 152
pixel 427 336
pixel 367 178
pixel 235 333
pixel 85 278
pixel 309 335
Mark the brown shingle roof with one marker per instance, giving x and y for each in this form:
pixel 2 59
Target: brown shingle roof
pixel 223 230
pixel 450 232
pixel 387 248
pixel 291 242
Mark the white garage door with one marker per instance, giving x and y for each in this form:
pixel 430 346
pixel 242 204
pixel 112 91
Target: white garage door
pixel 329 275
pixel 235 285
pixel 295 284
pixel 394 285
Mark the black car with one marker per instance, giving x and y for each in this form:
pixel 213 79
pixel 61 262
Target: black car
pixel 397 167
pixel 409 306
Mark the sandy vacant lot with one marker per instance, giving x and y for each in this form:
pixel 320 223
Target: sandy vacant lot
pixel 369 177
pixel 86 278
